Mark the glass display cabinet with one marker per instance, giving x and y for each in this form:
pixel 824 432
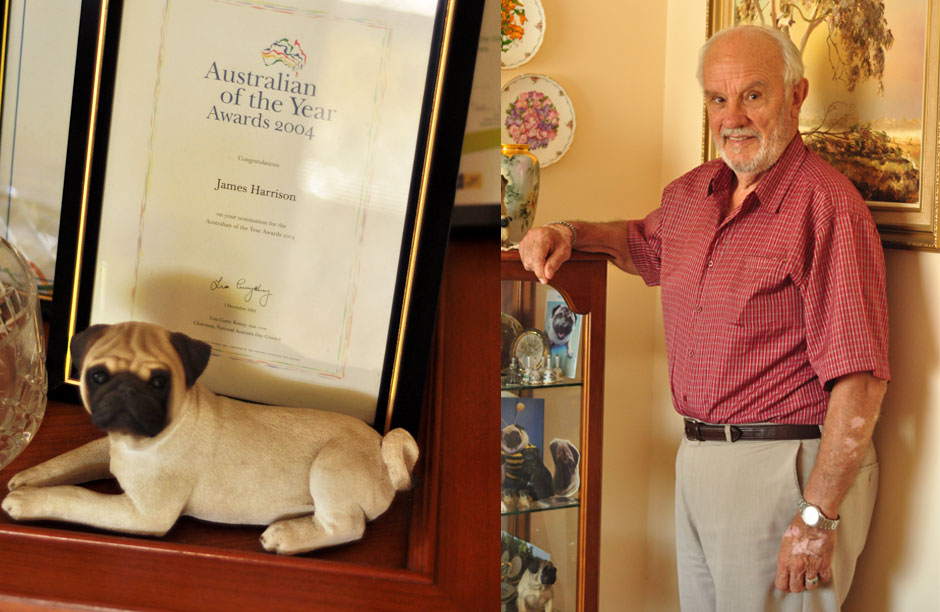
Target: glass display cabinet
pixel 551 411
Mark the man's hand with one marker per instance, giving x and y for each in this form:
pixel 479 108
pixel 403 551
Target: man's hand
pixel 805 554
pixel 854 405
pixel 543 250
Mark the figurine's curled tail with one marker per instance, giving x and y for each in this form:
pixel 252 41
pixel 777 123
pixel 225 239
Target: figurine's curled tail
pixel 400 453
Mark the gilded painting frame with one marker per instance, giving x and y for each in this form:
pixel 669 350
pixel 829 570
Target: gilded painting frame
pixel 911 225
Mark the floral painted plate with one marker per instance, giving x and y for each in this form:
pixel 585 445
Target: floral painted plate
pixel 536 111
pixel 522 27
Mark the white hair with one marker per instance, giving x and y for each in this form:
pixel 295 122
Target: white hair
pixel 792 60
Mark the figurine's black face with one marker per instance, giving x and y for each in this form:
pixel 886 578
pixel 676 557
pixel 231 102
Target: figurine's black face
pixel 514 439
pixel 132 373
pixel 565 454
pixel 562 321
pixel 547 575
pixel 124 402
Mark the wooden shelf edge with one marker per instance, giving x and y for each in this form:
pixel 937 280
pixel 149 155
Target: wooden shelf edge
pixel 48 539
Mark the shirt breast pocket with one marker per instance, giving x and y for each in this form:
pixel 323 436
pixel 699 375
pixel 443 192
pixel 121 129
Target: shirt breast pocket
pixel 760 295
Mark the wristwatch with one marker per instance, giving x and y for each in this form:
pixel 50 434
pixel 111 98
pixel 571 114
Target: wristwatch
pixel 813 516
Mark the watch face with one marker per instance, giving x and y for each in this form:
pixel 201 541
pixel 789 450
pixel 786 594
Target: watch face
pixel 810 515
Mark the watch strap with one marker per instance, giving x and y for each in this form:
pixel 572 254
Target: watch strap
pixel 824 521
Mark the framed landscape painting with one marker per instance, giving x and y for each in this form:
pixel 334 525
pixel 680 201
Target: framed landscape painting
pixel 873 105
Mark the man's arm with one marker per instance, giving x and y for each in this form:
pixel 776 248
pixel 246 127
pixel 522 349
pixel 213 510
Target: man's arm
pixel 544 249
pixel 854 406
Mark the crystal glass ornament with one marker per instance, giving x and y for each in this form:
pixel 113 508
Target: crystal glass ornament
pixel 22 355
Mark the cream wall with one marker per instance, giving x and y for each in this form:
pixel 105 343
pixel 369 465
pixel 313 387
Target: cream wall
pixel 900 568
pixel 629 68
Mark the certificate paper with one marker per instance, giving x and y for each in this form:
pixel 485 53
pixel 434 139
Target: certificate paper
pixel 257 180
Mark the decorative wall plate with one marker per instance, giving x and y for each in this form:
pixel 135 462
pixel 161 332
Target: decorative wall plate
pixel 536 111
pixel 522 27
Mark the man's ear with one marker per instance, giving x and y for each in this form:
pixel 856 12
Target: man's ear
pixel 194 354
pixel 798 97
pixel 80 342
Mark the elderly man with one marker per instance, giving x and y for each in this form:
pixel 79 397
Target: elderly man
pixel 773 297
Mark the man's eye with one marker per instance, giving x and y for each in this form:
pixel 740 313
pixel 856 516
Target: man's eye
pixel 158 381
pixel 100 377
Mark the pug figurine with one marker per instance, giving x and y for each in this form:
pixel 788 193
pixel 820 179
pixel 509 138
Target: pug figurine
pixel 567 478
pixel 525 477
pixel 315 477
pixel 535 589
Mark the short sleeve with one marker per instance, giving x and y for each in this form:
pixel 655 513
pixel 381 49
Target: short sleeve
pixel 644 238
pixel 844 299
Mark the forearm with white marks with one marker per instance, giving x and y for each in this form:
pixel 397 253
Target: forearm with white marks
pixel 854 405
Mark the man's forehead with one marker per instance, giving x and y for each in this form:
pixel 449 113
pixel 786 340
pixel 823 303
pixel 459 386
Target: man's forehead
pixel 745 71
pixel 745 49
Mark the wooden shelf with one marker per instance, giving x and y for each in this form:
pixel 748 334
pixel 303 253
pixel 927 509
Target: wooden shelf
pixel 201 561
pixel 429 551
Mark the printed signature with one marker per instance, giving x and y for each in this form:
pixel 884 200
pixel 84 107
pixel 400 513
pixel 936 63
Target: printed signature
pixel 247 290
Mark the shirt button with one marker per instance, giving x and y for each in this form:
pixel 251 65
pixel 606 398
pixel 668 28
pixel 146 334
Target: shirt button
pixel 691 352
pixel 710 263
pixel 698 309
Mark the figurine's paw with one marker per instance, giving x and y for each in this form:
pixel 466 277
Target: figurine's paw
pixel 28 477
pixel 306 533
pixel 282 537
pixel 269 539
pixel 22 503
pixel 525 501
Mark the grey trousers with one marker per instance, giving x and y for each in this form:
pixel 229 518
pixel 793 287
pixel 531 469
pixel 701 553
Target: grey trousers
pixel 734 500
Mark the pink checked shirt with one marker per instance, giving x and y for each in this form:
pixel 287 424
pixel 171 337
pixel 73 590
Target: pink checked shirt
pixel 764 309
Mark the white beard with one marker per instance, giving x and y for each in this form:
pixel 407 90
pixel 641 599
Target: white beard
pixel 769 152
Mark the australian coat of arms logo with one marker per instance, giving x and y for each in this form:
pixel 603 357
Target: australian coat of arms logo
pixel 285 52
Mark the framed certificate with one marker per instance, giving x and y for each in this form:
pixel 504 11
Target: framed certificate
pixel 275 179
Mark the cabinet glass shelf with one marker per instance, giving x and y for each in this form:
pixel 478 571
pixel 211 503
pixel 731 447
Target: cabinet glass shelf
pixel 567 382
pixel 545 505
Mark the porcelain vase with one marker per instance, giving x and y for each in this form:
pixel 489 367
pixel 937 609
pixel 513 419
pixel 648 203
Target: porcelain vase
pixel 520 192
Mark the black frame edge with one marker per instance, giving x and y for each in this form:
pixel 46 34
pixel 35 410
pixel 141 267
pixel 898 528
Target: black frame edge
pixel 79 132
pixel 419 322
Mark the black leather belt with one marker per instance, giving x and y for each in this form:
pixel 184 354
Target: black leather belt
pixel 696 430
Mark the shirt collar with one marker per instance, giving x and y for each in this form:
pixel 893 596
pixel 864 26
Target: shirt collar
pixel 774 184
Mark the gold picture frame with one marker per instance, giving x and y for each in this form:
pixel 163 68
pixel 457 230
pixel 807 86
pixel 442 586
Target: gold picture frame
pixel 902 158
